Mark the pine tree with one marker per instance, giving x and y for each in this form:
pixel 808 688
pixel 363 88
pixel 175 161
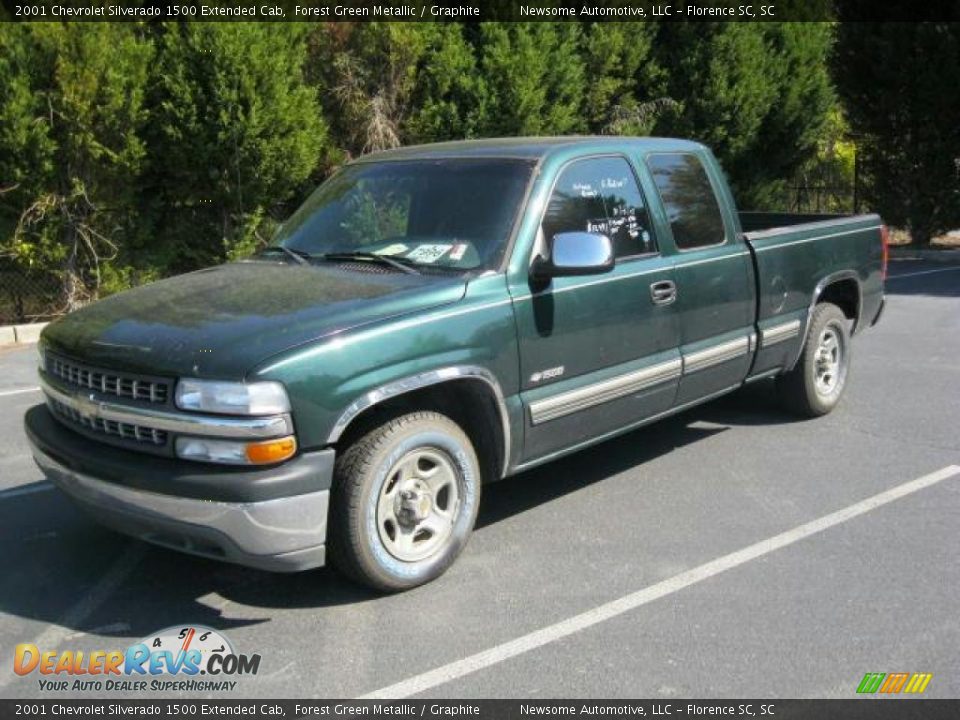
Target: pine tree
pixel 446 103
pixel 624 83
pixel 367 73
pixel 799 120
pixel 534 79
pixel 72 107
pixel 758 94
pixel 236 133
pixel 899 83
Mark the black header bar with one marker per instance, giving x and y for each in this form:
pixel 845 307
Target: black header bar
pixel 668 709
pixel 480 10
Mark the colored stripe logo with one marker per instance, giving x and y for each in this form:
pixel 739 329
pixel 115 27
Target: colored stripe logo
pixel 894 683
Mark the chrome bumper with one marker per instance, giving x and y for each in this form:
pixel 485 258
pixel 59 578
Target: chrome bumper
pixel 284 534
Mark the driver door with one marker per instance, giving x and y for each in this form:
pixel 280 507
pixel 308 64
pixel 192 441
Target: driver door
pixel 600 352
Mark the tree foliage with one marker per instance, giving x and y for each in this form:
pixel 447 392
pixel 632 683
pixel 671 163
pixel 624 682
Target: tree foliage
pixel 176 145
pixel 758 94
pixel 71 101
pixel 534 79
pixel 899 84
pixel 624 83
pixel 235 132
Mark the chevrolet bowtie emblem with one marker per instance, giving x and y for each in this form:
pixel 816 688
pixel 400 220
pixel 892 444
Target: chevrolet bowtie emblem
pixel 88 406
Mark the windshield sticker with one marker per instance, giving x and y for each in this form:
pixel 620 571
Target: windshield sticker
pixel 612 183
pixel 585 189
pixel 458 251
pixel 612 226
pixel 394 249
pixel 428 253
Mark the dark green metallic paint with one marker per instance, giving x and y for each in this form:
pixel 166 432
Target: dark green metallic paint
pixel 221 322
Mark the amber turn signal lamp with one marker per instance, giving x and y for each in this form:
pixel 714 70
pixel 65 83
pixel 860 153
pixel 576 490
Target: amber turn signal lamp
pixel 271 451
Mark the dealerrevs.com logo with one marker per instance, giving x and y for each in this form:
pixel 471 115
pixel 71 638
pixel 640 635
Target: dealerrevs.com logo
pixel 169 660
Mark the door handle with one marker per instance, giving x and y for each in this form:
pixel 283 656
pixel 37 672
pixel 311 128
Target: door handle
pixel 663 292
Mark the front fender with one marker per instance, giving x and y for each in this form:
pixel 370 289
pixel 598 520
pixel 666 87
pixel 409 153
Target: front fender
pixel 333 381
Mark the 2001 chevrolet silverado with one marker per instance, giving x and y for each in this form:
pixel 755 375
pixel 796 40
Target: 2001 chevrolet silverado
pixel 430 319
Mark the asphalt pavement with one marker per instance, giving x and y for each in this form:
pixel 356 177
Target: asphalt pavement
pixel 731 551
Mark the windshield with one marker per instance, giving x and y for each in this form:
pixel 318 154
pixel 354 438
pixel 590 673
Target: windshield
pixel 432 213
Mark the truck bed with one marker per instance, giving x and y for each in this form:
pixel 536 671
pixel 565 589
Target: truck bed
pixel 795 256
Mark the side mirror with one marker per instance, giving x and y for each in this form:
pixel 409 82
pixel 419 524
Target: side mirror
pixel 576 253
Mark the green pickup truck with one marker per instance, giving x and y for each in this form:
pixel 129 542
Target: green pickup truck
pixel 433 318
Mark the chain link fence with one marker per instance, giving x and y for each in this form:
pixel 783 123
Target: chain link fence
pixel 27 296
pixel 816 198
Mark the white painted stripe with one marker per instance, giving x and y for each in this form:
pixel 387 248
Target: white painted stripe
pixel 72 620
pixel 557 631
pixel 21 391
pixel 922 272
pixel 42 486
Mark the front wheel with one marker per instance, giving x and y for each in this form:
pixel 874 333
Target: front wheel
pixel 816 383
pixel 405 499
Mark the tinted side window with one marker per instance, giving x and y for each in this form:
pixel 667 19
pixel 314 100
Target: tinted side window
pixel 688 198
pixel 600 195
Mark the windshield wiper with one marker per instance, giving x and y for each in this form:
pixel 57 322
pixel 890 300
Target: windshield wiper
pixel 299 256
pixel 403 264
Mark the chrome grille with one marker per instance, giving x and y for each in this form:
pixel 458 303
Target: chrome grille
pixel 107 382
pixel 124 431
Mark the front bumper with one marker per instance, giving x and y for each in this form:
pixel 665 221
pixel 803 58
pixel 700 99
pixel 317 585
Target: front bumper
pixel 242 517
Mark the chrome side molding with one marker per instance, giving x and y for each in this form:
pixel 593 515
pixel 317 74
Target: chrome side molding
pixel 779 333
pixel 597 393
pixel 703 359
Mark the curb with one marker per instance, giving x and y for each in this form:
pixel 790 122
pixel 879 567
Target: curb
pixel 21 334
pixel 909 253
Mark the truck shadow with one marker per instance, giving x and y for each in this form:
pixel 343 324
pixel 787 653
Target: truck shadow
pixel 55 557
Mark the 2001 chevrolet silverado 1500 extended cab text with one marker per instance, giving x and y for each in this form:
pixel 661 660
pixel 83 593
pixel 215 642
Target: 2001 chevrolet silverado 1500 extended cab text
pixel 432 318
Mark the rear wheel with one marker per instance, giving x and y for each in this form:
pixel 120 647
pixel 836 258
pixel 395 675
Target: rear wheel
pixel 405 499
pixel 816 383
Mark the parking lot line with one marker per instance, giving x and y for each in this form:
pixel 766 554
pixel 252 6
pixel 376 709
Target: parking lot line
pixel 557 631
pixel 921 272
pixel 72 620
pixel 21 391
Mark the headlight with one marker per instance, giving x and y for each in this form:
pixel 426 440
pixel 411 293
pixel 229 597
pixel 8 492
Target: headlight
pixel 236 453
pixel 41 358
pixel 232 398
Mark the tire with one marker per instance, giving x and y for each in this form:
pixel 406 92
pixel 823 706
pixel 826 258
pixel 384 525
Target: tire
pixel 404 502
pixel 816 384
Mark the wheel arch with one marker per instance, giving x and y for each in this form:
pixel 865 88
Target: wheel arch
pixel 470 395
pixel 842 289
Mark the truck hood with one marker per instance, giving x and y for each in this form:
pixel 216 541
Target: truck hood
pixel 223 321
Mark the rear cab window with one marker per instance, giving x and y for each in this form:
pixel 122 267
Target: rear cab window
pixel 600 195
pixel 689 200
